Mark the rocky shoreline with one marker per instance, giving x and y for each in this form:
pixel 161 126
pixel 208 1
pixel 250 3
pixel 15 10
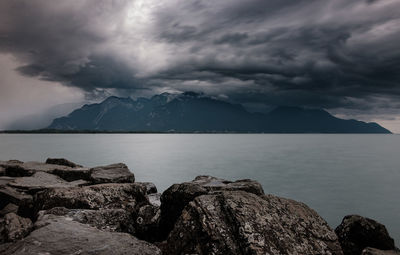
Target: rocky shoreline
pixel 59 207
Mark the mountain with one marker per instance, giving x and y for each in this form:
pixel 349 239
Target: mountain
pixel 194 112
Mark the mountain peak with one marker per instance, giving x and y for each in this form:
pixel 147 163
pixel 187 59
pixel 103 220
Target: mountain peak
pixel 186 113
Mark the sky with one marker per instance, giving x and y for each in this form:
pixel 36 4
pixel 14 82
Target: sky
pixel 339 55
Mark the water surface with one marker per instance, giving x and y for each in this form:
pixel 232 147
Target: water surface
pixel 334 174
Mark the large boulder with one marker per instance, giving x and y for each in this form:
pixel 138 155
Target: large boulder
pixel 176 197
pixel 373 251
pixel 113 220
pixel 61 162
pixel 237 222
pixel 356 233
pixel 14 227
pixel 128 196
pixel 115 173
pixel 40 181
pixel 59 235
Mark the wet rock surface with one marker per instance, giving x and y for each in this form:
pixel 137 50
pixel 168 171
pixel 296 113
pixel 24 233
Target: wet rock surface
pixel 237 222
pixel 356 233
pixel 115 173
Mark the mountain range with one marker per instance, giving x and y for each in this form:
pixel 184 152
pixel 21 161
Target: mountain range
pixel 194 112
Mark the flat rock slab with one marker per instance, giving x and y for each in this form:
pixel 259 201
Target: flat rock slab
pixel 115 173
pixel 101 196
pixel 40 181
pixel 237 222
pixel 58 235
pixel 30 168
pixel 62 162
pixel 4 180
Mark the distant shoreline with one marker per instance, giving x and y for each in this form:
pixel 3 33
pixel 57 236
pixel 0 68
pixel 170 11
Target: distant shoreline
pixel 48 131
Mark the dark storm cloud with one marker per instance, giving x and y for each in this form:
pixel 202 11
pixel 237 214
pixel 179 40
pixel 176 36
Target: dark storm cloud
pixel 333 54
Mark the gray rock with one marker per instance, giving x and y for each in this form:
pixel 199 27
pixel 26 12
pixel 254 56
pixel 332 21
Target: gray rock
pixel 12 195
pixel 40 181
pixel 155 199
pixel 128 196
pixel 8 163
pixel 73 174
pixel 65 172
pixel 115 173
pixel 4 180
pixel 61 162
pixel 237 222
pixel 356 233
pixel 2 171
pixel 113 220
pixel 147 223
pixel 373 251
pixel 9 208
pixel 176 197
pixel 77 238
pixel 150 187
pixel 14 227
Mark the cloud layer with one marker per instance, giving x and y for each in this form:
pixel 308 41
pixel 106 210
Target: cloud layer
pixel 340 55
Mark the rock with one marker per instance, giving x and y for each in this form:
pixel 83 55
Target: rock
pixel 77 238
pixel 115 173
pixel 40 181
pixel 217 184
pixel 2 171
pixel 4 180
pixel 155 199
pixel 73 174
pixel 356 233
pixel 8 163
pixel 9 208
pixel 176 197
pixel 237 222
pixel 128 196
pixel 147 223
pixel 12 195
pixel 114 220
pixel 65 172
pixel 373 251
pixel 14 227
pixel 61 162
pixel 150 187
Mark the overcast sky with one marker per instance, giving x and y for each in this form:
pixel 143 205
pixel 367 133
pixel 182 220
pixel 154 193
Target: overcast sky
pixel 340 55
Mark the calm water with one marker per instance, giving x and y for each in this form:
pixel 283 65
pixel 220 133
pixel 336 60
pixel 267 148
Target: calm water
pixel 334 174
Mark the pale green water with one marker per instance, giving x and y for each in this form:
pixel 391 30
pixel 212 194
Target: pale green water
pixel 334 174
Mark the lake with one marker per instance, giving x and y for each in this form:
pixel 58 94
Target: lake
pixel 334 174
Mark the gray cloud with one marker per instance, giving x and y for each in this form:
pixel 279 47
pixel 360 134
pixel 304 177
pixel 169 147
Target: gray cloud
pixel 339 55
